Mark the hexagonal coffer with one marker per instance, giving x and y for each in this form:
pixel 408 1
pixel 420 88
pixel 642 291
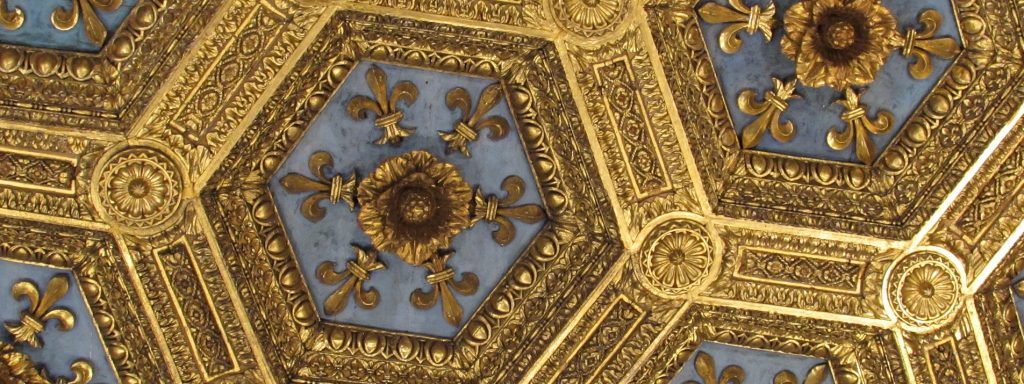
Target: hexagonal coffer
pixel 407 199
pixel 830 81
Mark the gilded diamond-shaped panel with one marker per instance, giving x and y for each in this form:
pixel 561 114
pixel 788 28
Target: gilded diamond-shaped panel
pixel 351 143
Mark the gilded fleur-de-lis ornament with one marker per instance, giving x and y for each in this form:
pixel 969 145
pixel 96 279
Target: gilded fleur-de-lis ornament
pixel 740 18
pixel 922 44
pixel 768 113
pixel 442 278
pixel 468 128
pixel 12 19
pixel 499 211
pixel 705 365
pixel 734 374
pixel 351 279
pixel 85 10
pixel 40 310
pixel 82 371
pixel 859 128
pixel 816 375
pixel 333 189
pixel 385 107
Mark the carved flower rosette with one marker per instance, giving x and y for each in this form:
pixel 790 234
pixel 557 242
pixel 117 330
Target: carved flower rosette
pixel 839 43
pixel 413 205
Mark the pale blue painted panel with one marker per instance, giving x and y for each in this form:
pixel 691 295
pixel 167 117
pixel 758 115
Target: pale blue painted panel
pixel 38 31
pixel 760 366
pixel 60 349
pixel 350 142
pixel 757 62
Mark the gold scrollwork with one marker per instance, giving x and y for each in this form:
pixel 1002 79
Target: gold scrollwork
pixel 333 189
pixel 40 310
pixel 734 374
pixel 442 278
pixel 858 127
pixel 11 20
pixel 85 10
pixel 922 44
pixel 768 113
pixel 499 211
pixel 389 118
pixel 351 279
pixel 467 129
pixel 740 18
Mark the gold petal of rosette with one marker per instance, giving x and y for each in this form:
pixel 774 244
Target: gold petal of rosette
pixel 17 367
pixel 412 206
pixel 839 43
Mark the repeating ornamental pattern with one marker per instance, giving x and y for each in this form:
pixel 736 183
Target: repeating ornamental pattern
pixel 512 191
pixel 924 290
pixel 676 257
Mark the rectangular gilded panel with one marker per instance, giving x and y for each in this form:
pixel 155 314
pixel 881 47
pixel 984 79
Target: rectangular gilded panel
pixel 603 340
pixel 194 308
pixel 944 364
pixel 634 134
pixel 38 171
pixel 800 270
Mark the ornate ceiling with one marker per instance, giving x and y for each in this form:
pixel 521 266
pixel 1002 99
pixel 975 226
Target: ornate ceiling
pixel 512 191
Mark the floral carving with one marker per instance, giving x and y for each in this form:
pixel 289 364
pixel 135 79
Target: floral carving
pixel 412 205
pixel 467 129
pixel 40 310
pixel 839 43
pixel 589 18
pixel 139 187
pixel 17 367
pixel 389 118
pixel 924 290
pixel 676 257
pixel 351 279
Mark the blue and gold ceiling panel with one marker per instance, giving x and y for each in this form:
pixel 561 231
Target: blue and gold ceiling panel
pixel 46 318
pixel 394 149
pixel 777 106
pixel 69 25
pixel 714 363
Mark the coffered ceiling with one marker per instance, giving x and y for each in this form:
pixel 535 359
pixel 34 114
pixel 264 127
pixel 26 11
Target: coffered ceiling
pixel 512 191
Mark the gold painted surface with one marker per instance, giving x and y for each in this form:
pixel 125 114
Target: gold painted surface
pixel 143 170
